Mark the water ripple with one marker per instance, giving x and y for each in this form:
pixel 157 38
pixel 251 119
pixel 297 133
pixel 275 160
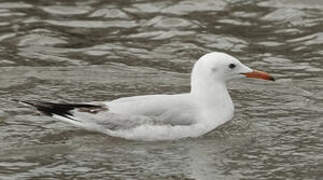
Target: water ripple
pixel 84 51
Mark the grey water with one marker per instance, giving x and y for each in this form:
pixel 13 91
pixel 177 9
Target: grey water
pixel 79 51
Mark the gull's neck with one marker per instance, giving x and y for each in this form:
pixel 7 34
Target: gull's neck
pixel 211 93
pixel 213 99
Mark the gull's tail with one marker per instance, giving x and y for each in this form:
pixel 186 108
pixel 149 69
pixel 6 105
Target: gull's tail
pixel 65 111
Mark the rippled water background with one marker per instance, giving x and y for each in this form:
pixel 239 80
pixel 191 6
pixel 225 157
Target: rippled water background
pixel 92 50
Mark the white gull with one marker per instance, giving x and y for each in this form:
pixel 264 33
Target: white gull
pixel 163 117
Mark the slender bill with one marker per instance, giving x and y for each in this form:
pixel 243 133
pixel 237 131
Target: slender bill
pixel 259 75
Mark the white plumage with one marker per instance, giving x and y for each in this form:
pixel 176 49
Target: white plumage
pixel 164 117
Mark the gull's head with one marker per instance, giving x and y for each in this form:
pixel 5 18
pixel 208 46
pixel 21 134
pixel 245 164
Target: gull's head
pixel 222 67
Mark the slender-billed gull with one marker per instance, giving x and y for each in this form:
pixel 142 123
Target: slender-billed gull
pixel 163 117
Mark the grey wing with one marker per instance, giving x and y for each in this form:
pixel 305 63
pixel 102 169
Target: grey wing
pixel 98 116
pixel 116 121
pixel 180 116
pixel 159 109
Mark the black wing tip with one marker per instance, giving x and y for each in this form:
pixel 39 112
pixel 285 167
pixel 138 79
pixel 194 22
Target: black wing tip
pixel 33 103
pixel 47 108
pixel 62 109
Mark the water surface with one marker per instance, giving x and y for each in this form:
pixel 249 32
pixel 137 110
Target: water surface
pixel 82 51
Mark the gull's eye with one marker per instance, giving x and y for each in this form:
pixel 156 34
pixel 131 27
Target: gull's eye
pixel 232 66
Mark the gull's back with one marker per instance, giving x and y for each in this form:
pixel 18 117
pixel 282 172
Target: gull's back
pixel 172 108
